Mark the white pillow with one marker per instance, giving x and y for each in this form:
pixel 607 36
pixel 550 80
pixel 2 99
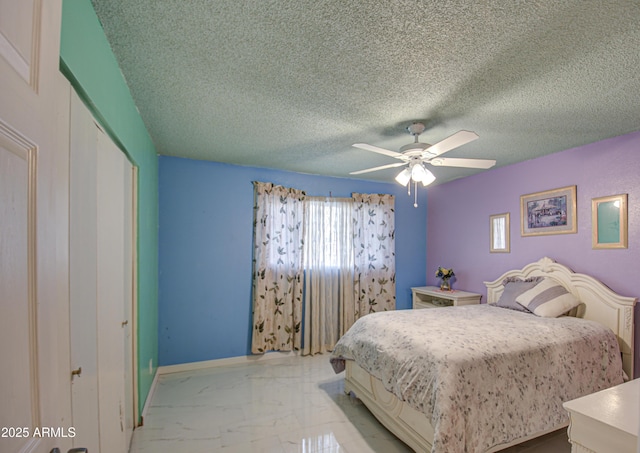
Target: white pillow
pixel 548 299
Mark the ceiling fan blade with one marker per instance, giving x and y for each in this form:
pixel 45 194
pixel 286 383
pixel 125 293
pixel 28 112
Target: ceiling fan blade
pixel 460 162
pixel 453 141
pixel 375 149
pixel 382 167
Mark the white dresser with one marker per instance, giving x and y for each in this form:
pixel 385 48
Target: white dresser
pixel 432 297
pixel 606 421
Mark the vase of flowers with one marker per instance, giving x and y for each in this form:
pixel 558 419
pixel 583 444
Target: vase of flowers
pixel 445 276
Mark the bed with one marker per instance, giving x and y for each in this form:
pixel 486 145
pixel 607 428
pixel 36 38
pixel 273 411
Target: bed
pixel 468 393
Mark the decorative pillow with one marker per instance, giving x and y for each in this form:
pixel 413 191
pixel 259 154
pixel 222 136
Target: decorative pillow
pixel 513 287
pixel 548 299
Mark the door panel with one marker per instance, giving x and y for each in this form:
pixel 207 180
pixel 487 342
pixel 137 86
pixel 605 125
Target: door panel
pixel 84 279
pixel 111 293
pixel 34 199
pixel 101 286
pixel 18 382
pixel 127 324
pixel 20 37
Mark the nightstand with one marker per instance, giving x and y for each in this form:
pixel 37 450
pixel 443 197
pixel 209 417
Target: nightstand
pixel 433 297
pixel 605 421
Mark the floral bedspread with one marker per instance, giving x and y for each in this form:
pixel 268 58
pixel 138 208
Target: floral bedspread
pixel 484 375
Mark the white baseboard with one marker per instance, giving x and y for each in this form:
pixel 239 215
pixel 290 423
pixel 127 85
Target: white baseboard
pixel 147 402
pixel 168 369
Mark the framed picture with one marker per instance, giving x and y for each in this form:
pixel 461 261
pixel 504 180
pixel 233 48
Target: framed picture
pixel 609 222
pixel 499 236
pixel 549 212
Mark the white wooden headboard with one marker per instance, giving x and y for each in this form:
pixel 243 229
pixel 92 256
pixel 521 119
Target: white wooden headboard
pixel 599 303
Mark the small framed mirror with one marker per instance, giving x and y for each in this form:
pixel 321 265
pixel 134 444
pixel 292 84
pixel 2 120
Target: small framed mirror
pixel 609 222
pixel 500 238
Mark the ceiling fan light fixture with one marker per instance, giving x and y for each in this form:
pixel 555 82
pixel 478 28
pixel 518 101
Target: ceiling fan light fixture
pixel 428 178
pixel 419 173
pixel 418 154
pixel 404 177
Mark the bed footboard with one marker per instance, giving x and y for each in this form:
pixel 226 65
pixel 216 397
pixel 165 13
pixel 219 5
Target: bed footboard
pixel 409 425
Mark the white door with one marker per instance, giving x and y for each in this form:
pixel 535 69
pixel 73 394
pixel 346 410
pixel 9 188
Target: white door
pixel 34 202
pixel 111 295
pixel 101 286
pixel 83 251
pixel 127 324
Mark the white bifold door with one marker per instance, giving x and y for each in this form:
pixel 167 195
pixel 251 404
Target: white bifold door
pixel 101 287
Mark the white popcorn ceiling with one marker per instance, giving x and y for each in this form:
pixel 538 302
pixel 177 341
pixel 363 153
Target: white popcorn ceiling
pixel 293 84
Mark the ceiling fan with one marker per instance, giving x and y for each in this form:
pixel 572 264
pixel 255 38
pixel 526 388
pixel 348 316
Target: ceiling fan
pixel 416 154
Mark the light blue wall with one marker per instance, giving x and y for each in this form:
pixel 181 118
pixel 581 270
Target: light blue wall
pixel 205 251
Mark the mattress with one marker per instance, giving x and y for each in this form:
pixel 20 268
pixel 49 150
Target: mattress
pixel 483 375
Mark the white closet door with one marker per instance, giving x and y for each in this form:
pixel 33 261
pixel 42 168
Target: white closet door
pixel 101 286
pixel 83 258
pixel 112 292
pixel 128 318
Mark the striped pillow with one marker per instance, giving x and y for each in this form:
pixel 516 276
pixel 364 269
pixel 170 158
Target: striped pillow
pixel 548 299
pixel 513 287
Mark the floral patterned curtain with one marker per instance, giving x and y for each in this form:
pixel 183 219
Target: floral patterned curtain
pixel 374 242
pixel 277 268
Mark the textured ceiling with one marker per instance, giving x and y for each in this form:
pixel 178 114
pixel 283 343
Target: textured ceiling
pixel 293 84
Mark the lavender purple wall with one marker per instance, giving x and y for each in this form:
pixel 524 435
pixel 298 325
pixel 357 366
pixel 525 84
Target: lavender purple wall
pixel 458 218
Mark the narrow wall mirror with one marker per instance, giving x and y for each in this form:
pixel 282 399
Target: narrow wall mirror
pixel 500 239
pixel 609 222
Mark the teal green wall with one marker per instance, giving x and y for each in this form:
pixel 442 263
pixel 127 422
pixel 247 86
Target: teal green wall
pixel 89 64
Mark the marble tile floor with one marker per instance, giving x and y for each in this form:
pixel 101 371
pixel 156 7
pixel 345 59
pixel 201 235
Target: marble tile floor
pixel 284 405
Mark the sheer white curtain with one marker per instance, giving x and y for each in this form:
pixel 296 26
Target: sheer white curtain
pixel 278 270
pixel 328 288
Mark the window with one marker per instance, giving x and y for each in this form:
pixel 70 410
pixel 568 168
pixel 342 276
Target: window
pixel 328 233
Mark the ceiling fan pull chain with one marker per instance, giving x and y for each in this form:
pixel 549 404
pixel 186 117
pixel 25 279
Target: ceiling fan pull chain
pixel 415 194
